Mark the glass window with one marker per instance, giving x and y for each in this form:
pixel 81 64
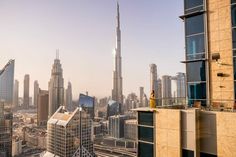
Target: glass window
pixel 145 118
pixel 187 153
pixel 192 3
pixel 234 37
pixel 233 15
pixel 195 44
pixel 145 134
pixel 197 91
pixel 145 149
pixel 194 25
pixel 234 61
pixel 207 155
pixel 196 71
pixel 235 90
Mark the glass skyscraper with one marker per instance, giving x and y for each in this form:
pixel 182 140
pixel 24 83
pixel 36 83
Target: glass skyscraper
pixel 7 82
pixel 6 117
pixel 196 55
pixel 210 51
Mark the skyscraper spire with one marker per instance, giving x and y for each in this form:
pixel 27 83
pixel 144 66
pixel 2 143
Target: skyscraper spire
pixel 118 15
pixel 57 53
pixel 117 91
pixel 56 87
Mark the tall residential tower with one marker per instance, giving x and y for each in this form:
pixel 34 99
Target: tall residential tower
pixel 153 79
pixel 16 94
pixel 68 96
pixel 26 91
pixel 117 93
pixel 36 92
pixel 56 87
pixel 7 82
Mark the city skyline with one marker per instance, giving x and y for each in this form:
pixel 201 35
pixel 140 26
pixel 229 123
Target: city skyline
pixel 42 30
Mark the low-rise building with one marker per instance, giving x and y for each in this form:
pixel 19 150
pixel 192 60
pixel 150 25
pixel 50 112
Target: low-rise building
pixel 130 129
pixel 185 132
pixel 116 126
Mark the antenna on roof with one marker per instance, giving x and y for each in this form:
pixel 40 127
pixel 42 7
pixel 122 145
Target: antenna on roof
pixel 57 53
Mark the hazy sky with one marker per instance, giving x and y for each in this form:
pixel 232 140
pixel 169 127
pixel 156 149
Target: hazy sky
pixel 84 31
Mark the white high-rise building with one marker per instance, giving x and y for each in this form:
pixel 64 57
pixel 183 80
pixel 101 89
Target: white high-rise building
pixel 159 92
pixel 68 133
pixel 7 82
pixel 56 87
pixel 16 94
pixel 166 90
pixel 36 93
pixel 173 90
pixel 26 98
pixel 117 91
pixel 141 96
pixel 153 79
pixel 174 87
pixel 68 96
pixel 181 85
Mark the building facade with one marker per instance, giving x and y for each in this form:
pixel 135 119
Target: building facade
pixel 117 91
pixel 36 92
pixel 159 92
pixel 64 136
pixel 16 147
pixel 130 129
pixel 153 79
pixel 116 126
pixel 6 118
pixel 141 96
pixel 68 96
pixel 16 94
pixel 166 90
pixel 56 87
pixel 181 85
pixel 42 108
pixel 7 82
pixel 26 97
pixel 210 62
pixel 88 104
pixel 113 108
pixel 185 133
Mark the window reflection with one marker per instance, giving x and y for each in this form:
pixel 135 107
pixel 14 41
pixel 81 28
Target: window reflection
pixel 145 149
pixel 192 3
pixel 196 71
pixel 233 13
pixel 145 134
pixel 145 118
pixel 197 91
pixel 195 44
pixel 194 25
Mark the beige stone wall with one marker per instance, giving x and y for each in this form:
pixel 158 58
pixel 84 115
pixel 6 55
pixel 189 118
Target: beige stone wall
pixel 220 41
pixel 189 130
pixel 226 134
pixel 218 133
pixel 168 133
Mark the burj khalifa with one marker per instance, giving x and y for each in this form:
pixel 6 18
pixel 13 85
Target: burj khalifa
pixel 117 91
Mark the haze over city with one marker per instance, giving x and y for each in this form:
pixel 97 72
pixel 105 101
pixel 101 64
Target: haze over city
pixel 117 78
pixel 84 32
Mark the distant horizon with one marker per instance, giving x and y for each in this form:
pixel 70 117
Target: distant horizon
pixel 85 30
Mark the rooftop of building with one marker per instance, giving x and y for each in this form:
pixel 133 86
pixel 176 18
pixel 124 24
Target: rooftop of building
pixel 120 116
pixel 184 107
pixel 131 121
pixel 48 154
pixel 62 116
